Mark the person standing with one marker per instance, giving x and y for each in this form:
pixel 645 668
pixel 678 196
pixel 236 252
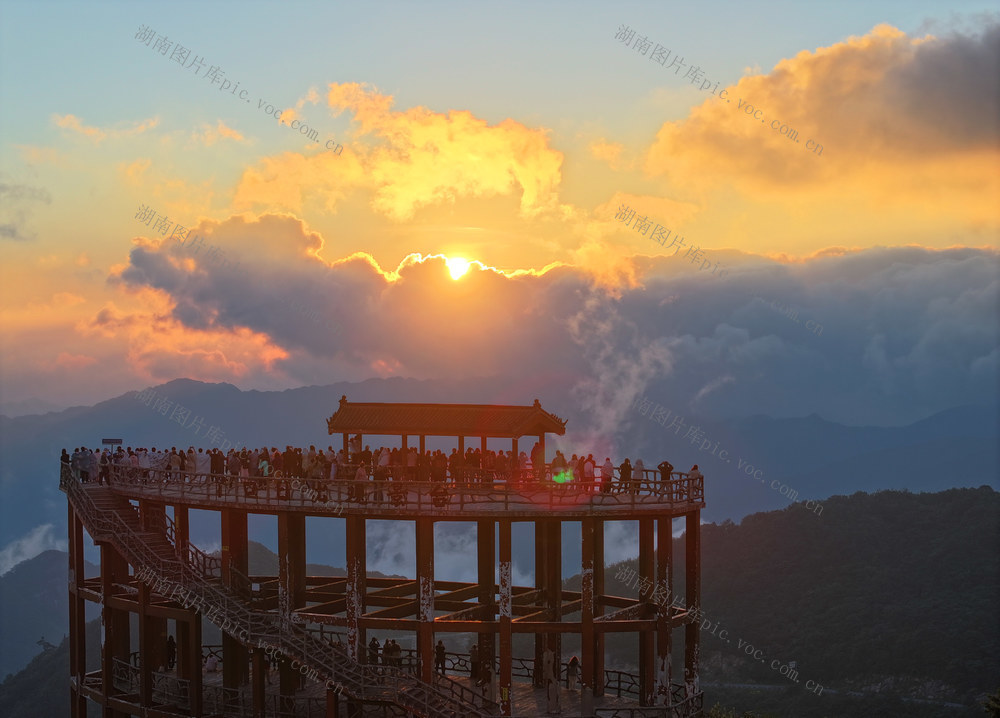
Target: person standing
pixel 607 473
pixel 171 653
pixel 439 656
pixel 666 468
pixel 474 663
pixel 589 465
pixel 373 647
pixel 358 490
pixel 573 673
pixel 625 476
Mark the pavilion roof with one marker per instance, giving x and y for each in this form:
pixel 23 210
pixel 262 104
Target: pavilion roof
pixel 469 420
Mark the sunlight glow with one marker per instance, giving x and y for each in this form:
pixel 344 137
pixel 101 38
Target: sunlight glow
pixel 457 266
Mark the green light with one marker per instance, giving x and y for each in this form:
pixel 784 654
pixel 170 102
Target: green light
pixel 562 477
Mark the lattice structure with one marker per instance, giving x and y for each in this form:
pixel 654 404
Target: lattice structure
pixel 318 626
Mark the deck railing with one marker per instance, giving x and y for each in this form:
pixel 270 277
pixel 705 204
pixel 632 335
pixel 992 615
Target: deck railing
pixel 324 495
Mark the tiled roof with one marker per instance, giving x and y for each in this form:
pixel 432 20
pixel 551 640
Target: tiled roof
pixel 444 420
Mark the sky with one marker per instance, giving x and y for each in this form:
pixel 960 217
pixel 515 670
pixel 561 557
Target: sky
pixel 778 208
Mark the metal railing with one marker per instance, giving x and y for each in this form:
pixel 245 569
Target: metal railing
pixel 387 495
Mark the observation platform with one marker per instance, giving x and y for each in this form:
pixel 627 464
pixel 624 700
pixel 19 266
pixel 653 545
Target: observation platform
pixel 319 626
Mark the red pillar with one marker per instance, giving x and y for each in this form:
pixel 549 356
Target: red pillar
pixel 692 631
pixel 291 582
pixel 505 609
pixel 553 588
pixel 114 570
pixel 587 605
pixel 664 597
pixel 258 668
pixel 598 606
pixel 646 635
pixel 425 597
pixel 235 656
pixel 182 530
pixel 354 527
pixel 486 539
pixel 77 616
pixel 189 658
pixel 152 630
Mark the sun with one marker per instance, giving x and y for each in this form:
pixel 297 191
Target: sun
pixel 457 266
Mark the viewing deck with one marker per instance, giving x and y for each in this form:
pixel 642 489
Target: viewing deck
pixel 138 508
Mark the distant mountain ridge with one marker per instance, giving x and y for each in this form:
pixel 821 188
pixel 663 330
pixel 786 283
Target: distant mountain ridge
pixel 34 605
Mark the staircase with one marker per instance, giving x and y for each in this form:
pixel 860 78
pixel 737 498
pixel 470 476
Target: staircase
pixel 110 518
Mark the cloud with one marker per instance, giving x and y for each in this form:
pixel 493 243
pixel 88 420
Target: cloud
pixel 904 331
pixel 135 171
pixel 17 201
pixel 97 134
pixel 210 135
pixel 900 119
pixel 420 159
pixel 39 539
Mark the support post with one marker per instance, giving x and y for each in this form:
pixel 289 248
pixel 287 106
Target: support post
pixel 598 606
pixel 114 570
pixel 505 608
pixel 692 572
pixel 587 607
pixel 77 616
pixel 291 581
pixel 486 540
pixel 189 657
pixel 664 593
pixel 646 647
pixel 356 585
pixel 235 555
pixel 258 669
pixel 425 598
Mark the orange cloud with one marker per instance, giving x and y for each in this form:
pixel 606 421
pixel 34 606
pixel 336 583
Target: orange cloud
pixel 135 171
pixel 210 135
pixel 98 135
pixel 903 123
pixel 424 158
pixel 159 347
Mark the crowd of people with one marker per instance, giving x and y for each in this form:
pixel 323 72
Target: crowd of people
pixel 469 468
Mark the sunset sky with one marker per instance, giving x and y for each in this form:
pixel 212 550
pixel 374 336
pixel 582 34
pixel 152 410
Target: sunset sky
pixel 508 135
